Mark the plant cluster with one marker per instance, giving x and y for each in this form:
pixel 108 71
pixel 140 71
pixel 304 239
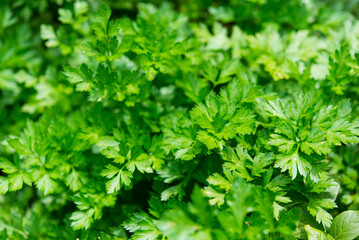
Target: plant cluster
pixel 207 119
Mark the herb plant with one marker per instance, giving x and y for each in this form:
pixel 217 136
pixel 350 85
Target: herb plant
pixel 179 120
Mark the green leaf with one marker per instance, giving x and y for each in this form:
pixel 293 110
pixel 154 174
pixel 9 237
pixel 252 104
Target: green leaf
pixel 260 162
pixel 240 201
pixel 237 160
pixel 208 139
pixel 276 108
pixel 7 167
pixel 16 182
pixel 171 192
pixel 82 219
pixel 75 180
pixel 100 21
pixel 4 185
pixel 294 163
pixel 142 226
pixel 46 184
pixel 345 226
pixel 217 180
pixel 315 234
pixel 118 178
pixel 284 145
pixel 65 16
pixel 316 209
pixel 48 34
pixel 215 197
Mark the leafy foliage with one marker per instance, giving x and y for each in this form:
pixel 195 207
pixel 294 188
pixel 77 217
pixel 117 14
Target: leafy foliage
pixel 179 120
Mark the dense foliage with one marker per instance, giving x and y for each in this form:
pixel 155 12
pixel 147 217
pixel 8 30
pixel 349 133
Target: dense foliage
pixel 233 119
